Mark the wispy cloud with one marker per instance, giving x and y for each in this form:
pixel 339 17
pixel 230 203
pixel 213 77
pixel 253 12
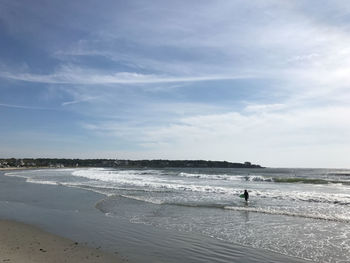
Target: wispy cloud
pixel 74 75
pixel 24 107
pixel 80 100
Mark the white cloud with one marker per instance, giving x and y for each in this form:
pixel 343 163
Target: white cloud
pixel 264 107
pixel 269 138
pixel 74 75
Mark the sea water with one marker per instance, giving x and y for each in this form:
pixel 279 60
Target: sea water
pixel 297 212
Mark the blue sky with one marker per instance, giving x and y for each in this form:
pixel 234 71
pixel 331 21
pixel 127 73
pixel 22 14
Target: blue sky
pixel 262 81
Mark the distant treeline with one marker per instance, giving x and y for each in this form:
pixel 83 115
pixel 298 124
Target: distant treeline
pixel 49 162
pixel 183 163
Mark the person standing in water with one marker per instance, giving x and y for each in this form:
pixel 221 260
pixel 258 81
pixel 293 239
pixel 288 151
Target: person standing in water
pixel 246 195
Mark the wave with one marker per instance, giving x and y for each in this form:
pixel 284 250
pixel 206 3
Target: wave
pixel 338 174
pixel 305 198
pixel 150 176
pixel 264 211
pixel 261 178
pixel 231 193
pixel 258 178
pixel 110 190
pixel 109 181
pixel 13 175
pixel 197 205
pixel 309 180
pixel 28 180
pixel 270 211
pixel 288 213
pixel 143 199
pixel 227 177
pixel 209 176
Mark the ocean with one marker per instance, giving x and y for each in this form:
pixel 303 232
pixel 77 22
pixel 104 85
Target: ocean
pixel 303 213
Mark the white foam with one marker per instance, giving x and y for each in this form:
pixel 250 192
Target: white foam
pixel 143 199
pixel 154 179
pixel 273 211
pixel 157 180
pixel 251 178
pixel 42 182
pixel 209 176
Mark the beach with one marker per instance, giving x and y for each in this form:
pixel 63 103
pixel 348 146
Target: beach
pixel 138 223
pixel 28 244
pixel 21 242
pixel 175 131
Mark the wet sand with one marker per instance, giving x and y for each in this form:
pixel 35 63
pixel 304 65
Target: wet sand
pixel 24 243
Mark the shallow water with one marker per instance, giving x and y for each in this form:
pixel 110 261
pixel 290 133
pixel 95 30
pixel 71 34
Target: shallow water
pixel 298 212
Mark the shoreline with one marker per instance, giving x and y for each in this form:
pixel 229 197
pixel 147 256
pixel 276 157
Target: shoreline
pixel 21 242
pixel 27 168
pixel 70 213
pixel 15 168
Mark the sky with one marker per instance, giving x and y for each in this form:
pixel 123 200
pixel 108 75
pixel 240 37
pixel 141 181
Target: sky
pixel 265 81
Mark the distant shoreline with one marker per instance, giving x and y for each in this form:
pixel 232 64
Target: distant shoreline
pixel 14 163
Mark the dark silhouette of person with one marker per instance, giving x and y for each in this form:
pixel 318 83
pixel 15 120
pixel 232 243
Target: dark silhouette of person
pixel 246 195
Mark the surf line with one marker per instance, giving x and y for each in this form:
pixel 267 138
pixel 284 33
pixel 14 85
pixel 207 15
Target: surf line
pixel 286 213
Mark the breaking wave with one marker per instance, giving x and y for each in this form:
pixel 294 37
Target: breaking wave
pixel 261 178
pixel 252 178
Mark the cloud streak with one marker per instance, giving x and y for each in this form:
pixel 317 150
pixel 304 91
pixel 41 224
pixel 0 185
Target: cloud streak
pixel 24 107
pixel 81 77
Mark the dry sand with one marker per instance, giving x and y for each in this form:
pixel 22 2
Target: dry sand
pixel 28 244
